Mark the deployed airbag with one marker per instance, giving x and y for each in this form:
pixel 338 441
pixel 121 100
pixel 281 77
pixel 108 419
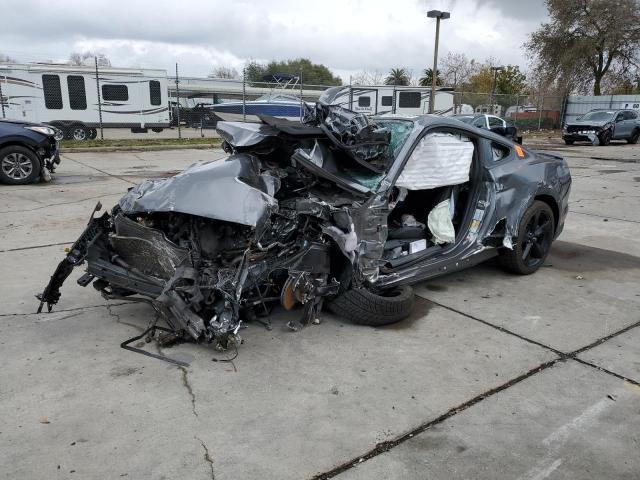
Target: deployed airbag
pixel 440 159
pixel 440 225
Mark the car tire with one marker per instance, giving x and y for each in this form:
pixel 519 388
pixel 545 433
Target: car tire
pixel 79 132
pixel 363 307
pixel 93 134
pixel 157 130
pixel 26 161
pixel 535 235
pixel 633 139
pixel 569 141
pixel 605 138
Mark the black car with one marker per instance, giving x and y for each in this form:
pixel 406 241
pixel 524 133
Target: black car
pixel 492 123
pixel 345 211
pixel 28 152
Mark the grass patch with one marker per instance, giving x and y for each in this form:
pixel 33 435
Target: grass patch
pixel 138 142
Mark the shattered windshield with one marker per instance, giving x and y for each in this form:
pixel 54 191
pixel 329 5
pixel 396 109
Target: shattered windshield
pixel 599 115
pixel 400 130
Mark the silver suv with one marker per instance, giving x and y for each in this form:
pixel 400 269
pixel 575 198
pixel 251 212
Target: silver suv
pixel 601 126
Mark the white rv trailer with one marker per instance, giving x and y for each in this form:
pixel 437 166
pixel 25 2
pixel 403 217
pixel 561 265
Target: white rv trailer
pixel 66 96
pixel 401 100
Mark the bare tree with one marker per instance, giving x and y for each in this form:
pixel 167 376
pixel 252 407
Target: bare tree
pixel 368 78
pixel 224 72
pixel 457 69
pixel 7 59
pixel 86 58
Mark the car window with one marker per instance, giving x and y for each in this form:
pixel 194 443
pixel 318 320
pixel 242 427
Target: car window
pixel 598 115
pixel 620 117
pixel 499 151
pixel 495 122
pixel 480 122
pixel 629 115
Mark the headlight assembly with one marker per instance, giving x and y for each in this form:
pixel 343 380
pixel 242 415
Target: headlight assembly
pixel 42 130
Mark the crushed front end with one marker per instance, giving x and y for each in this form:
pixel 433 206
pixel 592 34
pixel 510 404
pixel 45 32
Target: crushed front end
pixel 221 242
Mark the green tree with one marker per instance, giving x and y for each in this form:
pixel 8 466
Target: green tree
pixel 397 76
pixel 427 79
pixel 254 71
pixel 482 80
pixel 311 73
pixel 585 39
pixel 510 80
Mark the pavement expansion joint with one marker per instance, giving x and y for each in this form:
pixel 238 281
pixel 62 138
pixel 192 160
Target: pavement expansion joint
pixel 388 445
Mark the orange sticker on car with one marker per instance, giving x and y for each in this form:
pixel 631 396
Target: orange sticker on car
pixel 519 151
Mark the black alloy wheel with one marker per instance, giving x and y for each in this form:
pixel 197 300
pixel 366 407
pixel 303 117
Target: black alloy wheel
pixel 535 235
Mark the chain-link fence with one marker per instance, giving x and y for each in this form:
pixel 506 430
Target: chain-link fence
pixel 96 102
pixel 527 112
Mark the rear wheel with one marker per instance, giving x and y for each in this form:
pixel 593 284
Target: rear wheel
pixel 569 141
pixel 633 139
pixel 367 308
pixel 18 165
pixel 93 133
pixel 535 235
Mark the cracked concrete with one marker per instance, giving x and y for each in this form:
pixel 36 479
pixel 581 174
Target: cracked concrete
pixel 475 384
pixel 207 458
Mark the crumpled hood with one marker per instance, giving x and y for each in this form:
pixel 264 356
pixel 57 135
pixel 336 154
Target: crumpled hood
pixel 592 123
pixel 232 190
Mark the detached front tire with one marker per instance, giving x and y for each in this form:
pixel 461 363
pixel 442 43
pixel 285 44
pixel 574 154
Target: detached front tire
pixel 367 308
pixel 18 165
pixel 535 235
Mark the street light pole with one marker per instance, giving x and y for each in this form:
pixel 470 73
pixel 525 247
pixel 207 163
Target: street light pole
pixel 493 85
pixel 438 15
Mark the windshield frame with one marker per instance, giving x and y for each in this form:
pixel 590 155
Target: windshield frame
pixel 611 114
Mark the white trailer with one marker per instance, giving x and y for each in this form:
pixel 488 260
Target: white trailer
pixel 401 100
pixel 66 96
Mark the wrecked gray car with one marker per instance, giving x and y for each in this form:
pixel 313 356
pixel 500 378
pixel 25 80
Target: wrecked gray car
pixel 343 211
pixel 601 126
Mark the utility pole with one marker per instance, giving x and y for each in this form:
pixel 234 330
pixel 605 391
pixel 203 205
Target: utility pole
pixel 495 71
pixel 178 102
pixel 99 101
pixel 438 15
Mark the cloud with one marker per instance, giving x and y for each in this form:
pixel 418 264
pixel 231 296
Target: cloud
pixel 348 36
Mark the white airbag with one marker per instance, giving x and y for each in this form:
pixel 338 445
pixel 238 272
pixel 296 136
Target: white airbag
pixel 439 159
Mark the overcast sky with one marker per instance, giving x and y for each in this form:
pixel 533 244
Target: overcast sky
pixel 346 35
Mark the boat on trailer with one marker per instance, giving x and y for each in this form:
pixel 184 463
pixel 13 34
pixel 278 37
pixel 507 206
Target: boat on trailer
pixel 275 103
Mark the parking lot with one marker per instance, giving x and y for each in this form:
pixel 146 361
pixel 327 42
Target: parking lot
pixel 494 376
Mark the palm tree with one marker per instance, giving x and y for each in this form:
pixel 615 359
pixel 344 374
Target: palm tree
pixel 397 76
pixel 427 80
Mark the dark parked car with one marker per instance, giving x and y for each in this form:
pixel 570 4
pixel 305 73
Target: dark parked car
pixel 492 123
pixel 28 152
pixel 601 126
pixel 343 210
